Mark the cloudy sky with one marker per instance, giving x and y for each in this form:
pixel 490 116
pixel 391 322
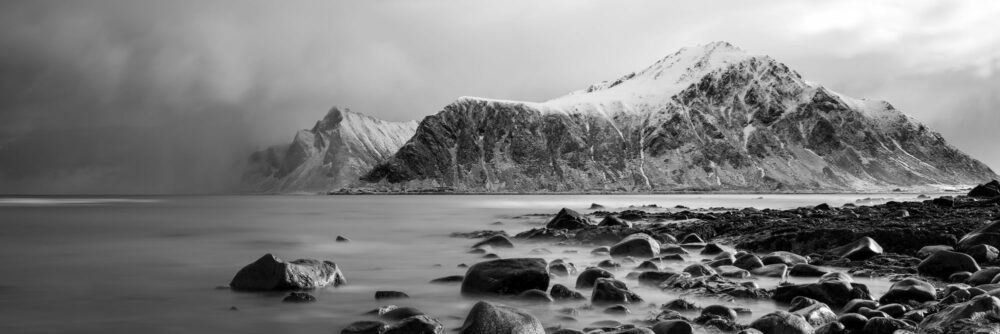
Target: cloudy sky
pixel 170 96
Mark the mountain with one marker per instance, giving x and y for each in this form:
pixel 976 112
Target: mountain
pixel 333 154
pixel 712 117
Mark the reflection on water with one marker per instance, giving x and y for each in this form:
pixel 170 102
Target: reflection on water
pixel 154 264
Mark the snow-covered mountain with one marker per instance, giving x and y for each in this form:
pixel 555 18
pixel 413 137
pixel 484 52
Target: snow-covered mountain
pixel 712 117
pixel 333 154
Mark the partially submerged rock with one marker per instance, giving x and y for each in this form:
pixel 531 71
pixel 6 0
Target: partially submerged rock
pixel 909 289
pixel 271 273
pixel 568 219
pixel 506 277
pixel 638 245
pixel 781 322
pixel 942 264
pixel 986 235
pixel 861 249
pixel 611 291
pixel 486 317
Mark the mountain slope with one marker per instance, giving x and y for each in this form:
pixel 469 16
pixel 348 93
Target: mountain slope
pixel 333 154
pixel 711 117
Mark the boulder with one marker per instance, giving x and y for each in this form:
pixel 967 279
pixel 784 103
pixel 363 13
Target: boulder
pixel 654 278
pixel 611 291
pixel 926 251
pixel 983 305
pixel 786 258
pixel 854 305
pixel 748 262
pixel 379 295
pixel 801 302
pixel 771 270
pixel 853 321
pixel 883 325
pixel 719 311
pixel 909 289
pixel 486 317
pixel 496 241
pixel 535 295
pixel 692 239
pixel 561 292
pixel 568 219
pixel 298 297
pixel 589 276
pixel 806 270
pixel 732 272
pixel 983 253
pixel 506 277
pixel 781 322
pixel 638 245
pixel 859 250
pixel 617 310
pixel 271 273
pixel 673 327
pixel 817 314
pixel 983 276
pixel 559 269
pixel 894 310
pixel 988 190
pixel 420 324
pixel 712 249
pixel 648 265
pixel 365 327
pixel 944 263
pixel 833 292
pixel 612 220
pixel 699 269
pixel 989 234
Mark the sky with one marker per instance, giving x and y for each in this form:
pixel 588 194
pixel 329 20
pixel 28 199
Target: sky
pixel 134 96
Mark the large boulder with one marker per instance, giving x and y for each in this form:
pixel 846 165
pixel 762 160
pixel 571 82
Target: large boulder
pixel 611 291
pixel 506 277
pixel 638 245
pixel 491 318
pixel 987 190
pixel 861 249
pixel 589 276
pixel 271 273
pixel 944 263
pixel 981 305
pixel 986 235
pixel 909 289
pixel 568 219
pixel 781 322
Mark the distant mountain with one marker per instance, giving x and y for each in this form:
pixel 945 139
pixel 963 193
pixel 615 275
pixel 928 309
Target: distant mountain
pixel 711 117
pixel 333 154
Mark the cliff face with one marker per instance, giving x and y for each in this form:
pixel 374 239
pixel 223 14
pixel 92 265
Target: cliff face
pixel 711 117
pixel 333 154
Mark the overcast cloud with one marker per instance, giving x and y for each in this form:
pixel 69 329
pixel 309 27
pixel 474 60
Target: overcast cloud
pixel 170 96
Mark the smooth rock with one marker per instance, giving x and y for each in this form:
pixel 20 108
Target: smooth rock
pixel 883 325
pixel 379 295
pixel 454 279
pixel 712 249
pixel 611 291
pixel 654 278
pixel 782 257
pixel 486 317
pixel 859 250
pixel 806 270
pixel 987 190
pixel 638 245
pixel 365 327
pixel 983 253
pixel 732 272
pixel 936 323
pixel 496 241
pixel 535 295
pixel 561 292
pixel 926 251
pixel 989 234
pixel 944 263
pixel 699 269
pixel 568 219
pixel 298 297
pixel 781 322
pixel 817 314
pixel 420 324
pixel 612 220
pixel 771 270
pixel 673 327
pixel 506 277
pixel 692 239
pixel 853 321
pixel 271 273
pixel 748 262
pixel 589 276
pixel 720 311
pixel 909 289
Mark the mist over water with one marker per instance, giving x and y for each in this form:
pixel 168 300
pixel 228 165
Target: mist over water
pixel 152 264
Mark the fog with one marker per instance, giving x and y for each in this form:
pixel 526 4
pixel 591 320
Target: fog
pixel 126 96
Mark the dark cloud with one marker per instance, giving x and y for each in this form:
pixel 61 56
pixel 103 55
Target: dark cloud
pixel 170 96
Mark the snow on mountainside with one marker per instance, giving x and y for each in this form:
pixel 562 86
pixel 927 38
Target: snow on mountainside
pixel 333 154
pixel 711 117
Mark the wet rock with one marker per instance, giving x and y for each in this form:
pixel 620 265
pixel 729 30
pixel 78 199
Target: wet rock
pixel 692 239
pixel 782 257
pixel 748 262
pixel 613 221
pixel 909 289
pixel 506 277
pixel 496 241
pixel 833 327
pixel 853 321
pixel 983 253
pixel 654 278
pixel 854 305
pixel 648 265
pixel 673 249
pixel 861 249
pixel 983 276
pixel 986 235
pixel 379 295
pixel 673 327
pixel 817 314
pixel 453 279
pixel 365 327
pixel 938 322
pixel 712 249
pixel 398 313
pixel 603 250
pixel 487 317
pixel 420 324
pixel 271 273
pixel 299 297
pixel 638 245
pixel 699 269
pixel 944 263
pixel 781 322
pixel 535 295
pixel 987 190
pixel 719 311
pixel 926 251
pixel 893 310
pixel 595 206
pixel 617 310
pixel 959 277
pixel 611 291
pixel 561 292
pixel 801 302
pixel 771 270
pixel 680 305
pixel 671 257
pixel 568 219
pixel 732 272
pixel 833 292
pixel 341 238
pixel 806 270
pixel 883 325
pixel 559 269
pixel 589 276
pixel 609 264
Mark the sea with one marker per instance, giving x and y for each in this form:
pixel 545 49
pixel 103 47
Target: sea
pixel 161 264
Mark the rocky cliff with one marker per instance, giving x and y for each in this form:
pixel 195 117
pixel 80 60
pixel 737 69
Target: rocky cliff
pixel 711 117
pixel 333 154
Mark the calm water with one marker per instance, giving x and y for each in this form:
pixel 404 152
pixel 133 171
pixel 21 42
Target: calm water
pixel 153 264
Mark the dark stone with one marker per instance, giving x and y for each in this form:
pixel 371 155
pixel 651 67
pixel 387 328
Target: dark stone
pixel 673 250
pixel 854 305
pixel 299 297
pixel 859 250
pixel 959 277
pixel 420 324
pixel 379 295
pixel 801 302
pixel 496 241
pixel 893 310
pixel 601 250
pixel 341 238
pixel 365 327
pixel 835 293
pixel 506 277
pixel 719 311
pixel 559 269
pixel 732 272
pixel 712 249
pixel 610 291
pixel 399 313
pixel 926 251
pixel 692 239
pixel 883 325
pixel 909 289
pixel 449 279
pixel 748 262
pixel 944 263
pixel 782 257
pixel 561 292
pixel 781 322
pixel 938 322
pixel 771 270
pixel 983 276
pixel 806 270
pixel 613 221
pixel 833 327
pixel 589 276
pixel 535 295
pixel 699 269
pixel 271 273
pixel 853 321
pixel 638 245
pixel 983 253
pixel 568 219
pixel 680 305
pixel 986 235
pixel 987 190
pixel 617 310
pixel 673 327
pixel 609 264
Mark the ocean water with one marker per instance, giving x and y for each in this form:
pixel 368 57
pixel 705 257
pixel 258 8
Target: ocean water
pixel 158 264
